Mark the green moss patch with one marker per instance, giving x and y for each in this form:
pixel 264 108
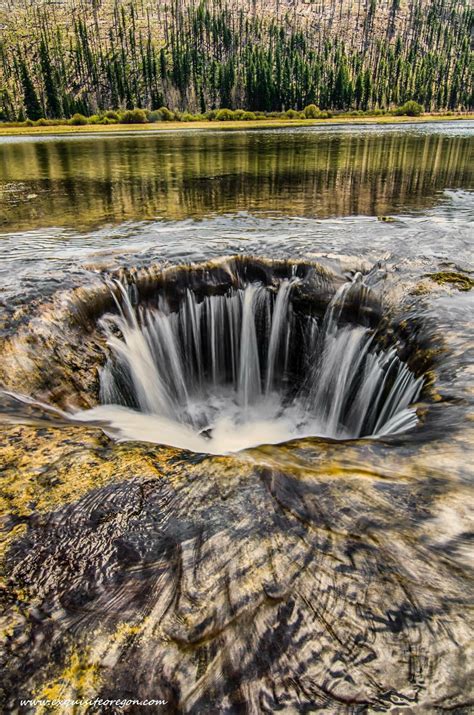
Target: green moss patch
pixel 457 280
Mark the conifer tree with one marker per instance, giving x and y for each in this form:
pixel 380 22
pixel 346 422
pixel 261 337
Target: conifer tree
pixel 53 102
pixel 30 98
pixel 199 54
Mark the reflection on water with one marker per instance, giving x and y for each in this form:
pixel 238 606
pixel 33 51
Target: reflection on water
pixel 90 181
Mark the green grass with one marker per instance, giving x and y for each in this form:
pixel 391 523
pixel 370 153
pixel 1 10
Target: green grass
pixel 228 125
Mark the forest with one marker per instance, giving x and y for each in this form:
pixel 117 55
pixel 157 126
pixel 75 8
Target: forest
pixel 62 58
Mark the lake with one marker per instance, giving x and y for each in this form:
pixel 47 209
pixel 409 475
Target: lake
pixel 236 433
pixel 85 182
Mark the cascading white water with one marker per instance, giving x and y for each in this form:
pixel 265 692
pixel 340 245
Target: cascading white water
pixel 233 371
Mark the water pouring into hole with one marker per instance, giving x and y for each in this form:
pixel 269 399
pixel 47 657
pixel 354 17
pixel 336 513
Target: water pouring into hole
pixel 220 373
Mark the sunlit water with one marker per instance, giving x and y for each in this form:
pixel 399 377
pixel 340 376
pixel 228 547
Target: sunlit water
pixel 324 561
pixel 350 195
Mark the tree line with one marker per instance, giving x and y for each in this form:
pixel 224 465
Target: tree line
pixel 201 55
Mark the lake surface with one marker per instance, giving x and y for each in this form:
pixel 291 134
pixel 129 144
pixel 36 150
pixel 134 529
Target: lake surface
pixel 72 202
pixel 85 182
pixel 315 563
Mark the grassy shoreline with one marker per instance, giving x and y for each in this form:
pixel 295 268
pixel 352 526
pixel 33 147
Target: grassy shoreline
pixel 228 125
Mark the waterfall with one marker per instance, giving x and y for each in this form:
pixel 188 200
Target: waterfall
pixel 279 334
pixel 249 385
pixel 224 372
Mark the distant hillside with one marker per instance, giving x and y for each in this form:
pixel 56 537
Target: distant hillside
pixel 62 56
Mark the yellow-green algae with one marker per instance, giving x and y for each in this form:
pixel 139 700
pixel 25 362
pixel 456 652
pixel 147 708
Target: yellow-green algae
pixel 80 679
pixel 47 468
pixel 87 663
pixel 452 278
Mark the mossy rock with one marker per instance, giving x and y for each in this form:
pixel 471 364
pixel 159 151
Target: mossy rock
pixel 457 280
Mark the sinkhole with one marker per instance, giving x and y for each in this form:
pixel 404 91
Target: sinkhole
pixel 261 357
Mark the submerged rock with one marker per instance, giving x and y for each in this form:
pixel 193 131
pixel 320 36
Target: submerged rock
pixel 313 575
pixel 225 583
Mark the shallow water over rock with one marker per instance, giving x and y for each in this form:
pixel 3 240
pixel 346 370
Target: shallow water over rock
pixel 327 572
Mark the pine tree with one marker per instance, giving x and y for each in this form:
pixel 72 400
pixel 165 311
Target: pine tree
pixel 210 53
pixel 30 98
pixel 52 98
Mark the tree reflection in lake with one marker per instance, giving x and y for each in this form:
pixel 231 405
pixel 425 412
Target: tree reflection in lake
pixel 89 181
